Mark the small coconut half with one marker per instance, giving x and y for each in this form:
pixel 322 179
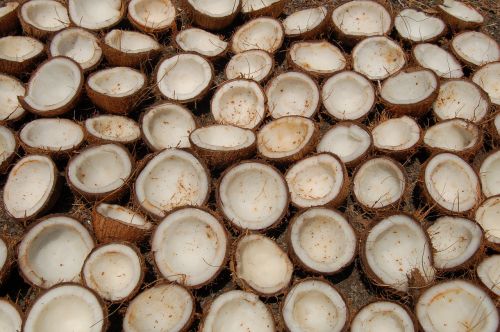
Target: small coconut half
pixel 129 48
pixel 317 58
pixel 263 33
pixel 455 135
pixel 8 17
pixel 213 14
pixel 306 23
pixel 190 247
pixel 315 305
pixel 460 15
pixel 486 215
pixel 10 108
pixel 96 15
pixel 321 240
pixel 399 137
pixel 152 16
pixel 488 272
pixel 252 195
pixel 11 319
pixel 487 77
pixel 53 250
pixel 19 54
pixel 255 8
pixel 201 42
pixel 475 48
pixel 6 260
pixel 43 18
pixel 260 264
pixel 112 129
pixel 417 26
pixel 441 62
pixel 489 174
pixel 254 65
pixel 8 148
pixel 383 316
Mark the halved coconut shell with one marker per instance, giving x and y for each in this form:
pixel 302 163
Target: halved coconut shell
pixel 489 174
pixel 254 8
pixel 416 26
pixel 96 15
pixel 8 17
pixel 254 65
pixel 263 33
pixel 486 216
pixel 213 15
pixel 152 16
pixel 42 18
pixel 475 48
pixel 399 137
pixel 460 15
pixel 306 23
pixel 488 272
pixel 129 48
pixel 202 42
pixel 11 317
pixel 441 62
pixel 19 54
pixel 487 77
pixel 10 108
pixel 112 129
pixel 495 127
pixel 316 58
pixel 7 259
pixel 8 148
pixel 381 315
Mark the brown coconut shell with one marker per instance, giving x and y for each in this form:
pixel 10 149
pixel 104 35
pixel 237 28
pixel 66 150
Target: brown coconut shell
pixel 313 33
pixel 274 10
pixel 210 22
pixel 457 24
pixel 120 58
pixel 33 31
pixel 16 68
pixel 462 59
pixel 9 22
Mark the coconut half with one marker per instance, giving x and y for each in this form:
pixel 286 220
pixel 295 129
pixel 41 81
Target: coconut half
pixel 164 307
pixel 315 305
pixel 54 88
pixel 255 8
pixel 306 23
pixel 11 319
pixel 201 42
pixel 456 305
pixel 459 15
pixel 252 195
pixel 237 311
pixel 441 62
pixel 400 137
pixel 416 26
pixel 19 54
pixel 213 14
pixel 6 261
pixel 383 316
pixel 262 33
pixel 489 174
pixel 112 129
pixel 114 271
pixel 487 77
pixel 495 127
pixel 53 250
pixel 189 247
pixel 96 15
pixel 8 17
pixel 486 216
pixel 152 16
pixel 167 125
pixel 456 135
pixel 397 253
pixel 321 240
pixel 488 272
pixel 42 18
pixel 10 108
pixel 317 58
pixel 8 148
pixel 254 65
pixel 260 264
pixel 129 48
pixel 475 48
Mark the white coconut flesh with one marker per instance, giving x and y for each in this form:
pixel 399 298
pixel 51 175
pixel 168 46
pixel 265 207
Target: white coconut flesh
pixel 348 96
pixel 316 180
pixel 10 89
pixel 7 143
pixel 47 15
pixel 19 48
pixel 452 183
pixel 238 311
pixel 347 140
pixel 487 78
pixel 489 174
pixel 417 26
pixel 456 305
pixel 77 44
pixel 130 41
pixel 460 99
pixel 217 8
pixel 262 264
pixel 488 272
pixel 223 138
pixel 117 82
pixel 378 57
pixel 95 14
pixel 496 123
pixel 395 249
pixel 100 169
pixel 113 271
pixel 262 33
pixel 115 128
pixel 52 135
pixel 183 77
pixel 165 307
pixel 152 14
pixel 4 253
pixel 253 65
pixel 53 251
pixel 487 216
pixel 240 103
pixel 362 18
pixel 8 8
pixel 476 47
pixel 462 11
pixel 123 215
pixel 66 308
pixel 397 134
pixel 438 60
pixel 168 126
pixel 314 305
pixel 54 84
pixel 318 57
pixel 379 182
pixel 452 135
pixel 305 20
pixel 382 316
pixel 292 93
pixel 409 87
pixel 253 195
pixel 455 240
pixel 29 186
pixel 171 179
pixel 189 247
pixel 10 319
pixel 323 240
pixel 200 41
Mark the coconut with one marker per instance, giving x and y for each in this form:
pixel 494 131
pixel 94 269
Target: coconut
pixel 252 195
pixel 237 311
pixel 348 96
pixel 317 58
pixel 315 305
pixel 379 183
pixel 100 172
pixel 11 319
pixel 486 216
pixel 201 42
pixel 43 18
pixel 19 54
pixel 263 33
pixel 488 272
pixel 67 307
pixel 170 179
pixel 32 187
pixel 203 237
pixel 10 89
pixel 184 77
pixel 292 93
pixel 54 88
pixel 411 91
pixel 6 259
pixel 459 15
pixel 487 77
pixel 213 14
pixel 397 253
pixel 8 17
pixel 112 129
pixel 318 180
pixel 255 8
pixel 223 145
pixel 117 223
pixel 129 48
pixel 321 240
pixel 96 15
pixel 475 48
pixel 456 305
pixel 463 99
pixel 167 125
pixel 441 62
pixel 152 16
pixel 495 127
pixel 164 307
pixel 489 174
pixel 115 271
pixel 254 65
pixel 53 250
pixel 399 137
pixel 306 23
pixel 416 26
pixel 260 264
pixel 8 148
pixel 79 45
pixel 383 316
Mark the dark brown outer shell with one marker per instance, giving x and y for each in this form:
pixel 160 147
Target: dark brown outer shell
pixel 273 10
pixel 221 54
pixel 316 31
pixel 263 80
pixel 404 306
pixel 120 58
pixel 469 64
pixel 457 24
pixel 32 30
pixel 9 22
pixel 155 31
pixel 209 22
pixel 16 68
pixel 278 47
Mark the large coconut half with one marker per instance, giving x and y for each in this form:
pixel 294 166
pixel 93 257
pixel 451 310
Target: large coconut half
pixel 190 247
pixel 317 58
pixel 460 15
pixel 152 16
pixel 53 250
pixel 489 174
pixel 213 14
pixel 306 23
pixel 254 8
pixel 19 54
pixel 42 18
pixel 8 17
pixel 254 65
pixel 262 33
pixel 475 48
pixel 417 26
pixel 8 148
pixel 487 77
pixel 441 62
pixel 486 215
pixel 96 14
pixel 112 129
pixel 252 195
pixel 456 135
pixel 488 272
pixel 10 108
pixel 397 136
pixel 383 316
pixel 129 48
pixel 11 319
pixel 201 42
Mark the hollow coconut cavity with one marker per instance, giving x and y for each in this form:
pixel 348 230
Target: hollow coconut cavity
pixel 10 89
pixel 488 272
pixel 79 45
pixel 10 316
pixel 383 316
pixel 441 62
pixel 112 128
pixel 19 54
pixel 397 135
pixel 260 264
pixel 455 135
pixel 306 22
pixel 487 77
pixel 486 216
pixel 189 247
pixel 152 16
pixel 456 305
pixel 416 26
pixel 240 103
pixel 129 48
pixel 254 65
pixel 318 58
pixel 201 42
pixel 315 305
pixel 475 48
pixel 322 240
pixel 96 14
pixel 397 251
pixel 164 307
pixel 43 17
pixel 489 174
pixel 8 147
pixel 53 251
pixel 460 15
pixel 262 33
